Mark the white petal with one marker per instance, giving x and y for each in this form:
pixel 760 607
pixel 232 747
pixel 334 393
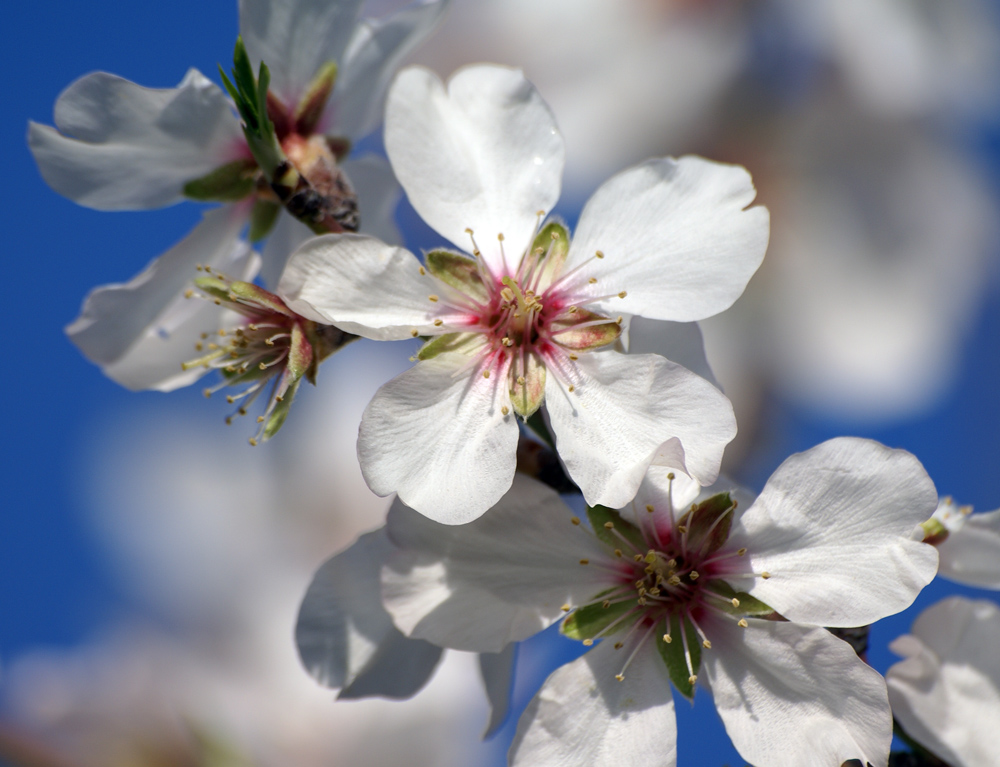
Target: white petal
pixel 676 235
pixel 346 638
pixel 141 331
pixel 584 717
pixel 946 693
pixel 437 437
pixel 833 528
pixel 373 55
pixel 288 234
pixel 378 196
pixel 361 285
pixel 499 579
pixel 484 155
pixel 120 146
pixel 295 38
pixel 971 554
pixel 627 408
pixel 497 670
pixel 793 695
pixel 679 342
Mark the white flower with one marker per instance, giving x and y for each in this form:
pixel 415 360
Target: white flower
pixel 518 322
pixel 120 146
pixel 686 594
pixel 968 544
pixel 946 692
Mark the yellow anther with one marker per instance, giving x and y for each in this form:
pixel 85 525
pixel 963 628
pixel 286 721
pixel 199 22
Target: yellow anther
pixel 584 561
pixel 565 608
pixel 207 393
pixel 438 322
pixel 649 508
pixel 623 294
pixel 694 575
pixel 618 553
pixel 606 604
pixel 554 235
pixel 609 525
pixel 217 302
pixel 742 623
pixel 414 332
pixel 572 388
pixel 674 580
pixel 423 271
pixel 736 602
pixel 260 419
pixel 253 442
pixel 520 380
pixel 692 679
pixel 230 399
pixel 619 319
pixel 262 366
pixel 741 552
pixel 637 557
pixel 671 476
pixel 618 645
pixel 197 267
pixel 432 298
pixel 706 644
pixel 765 575
pixel 574 357
pixel 500 236
pixel 667 638
pixel 504 410
pixel 588 642
pixel 682 528
pixel 575 520
pixel 199 346
pixel 592 280
pixel 486 374
pixel 468 231
pixel 599 254
pixel 572 310
pixel 188 293
pixel 620 677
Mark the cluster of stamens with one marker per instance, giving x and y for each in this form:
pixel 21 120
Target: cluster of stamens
pixel 668 577
pixel 255 355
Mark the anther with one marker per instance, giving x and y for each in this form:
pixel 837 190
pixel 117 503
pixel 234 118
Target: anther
pixel 584 561
pixel 649 508
pixel 618 553
pixel 253 442
pixel 572 388
pixel 438 322
pixel 574 357
pixel 692 679
pixel 486 374
pixel 588 642
pixel 599 254
pixel 575 520
pixel 260 419
pixel 188 293
pixel 592 280
pixel 414 333
pixel 565 608
pixel 500 236
pixel 422 271
pixel 637 557
pixel 693 575
pixel 736 602
pixel 609 525
pixel 682 528
pixel 765 575
pixel 432 298
pixel 742 623
pixel 468 231
pixel 618 645
pixel 520 380
pixel 741 552
pixel 623 294
pixel 671 476
pixel 207 393
pixel 620 677
pixel 707 645
pixel 504 410
pixel 667 638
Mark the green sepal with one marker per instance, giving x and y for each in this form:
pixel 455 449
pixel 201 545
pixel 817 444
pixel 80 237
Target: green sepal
pixel 526 398
pixel 536 423
pixel 748 605
pixel 449 342
pixel 262 219
pixel 461 272
pixel 587 622
pixel 553 240
pixel 213 287
pixel 700 519
pixel 277 418
pixel 585 338
pixel 599 516
pixel 310 108
pixel 227 183
pixel 673 653
pixel 253 295
pixel 300 354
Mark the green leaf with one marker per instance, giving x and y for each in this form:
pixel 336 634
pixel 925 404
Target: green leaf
pixel 250 96
pixel 708 523
pixel 599 516
pixel 673 653
pixel 262 219
pixel 587 622
pixel 227 183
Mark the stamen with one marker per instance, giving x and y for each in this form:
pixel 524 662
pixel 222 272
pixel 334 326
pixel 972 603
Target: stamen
pixel 620 676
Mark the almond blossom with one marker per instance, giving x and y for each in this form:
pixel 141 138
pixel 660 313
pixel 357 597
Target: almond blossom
pixel 945 693
pixel 968 544
pixel 117 145
pixel 676 590
pixel 530 316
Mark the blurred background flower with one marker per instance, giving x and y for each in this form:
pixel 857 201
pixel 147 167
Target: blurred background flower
pixel 152 563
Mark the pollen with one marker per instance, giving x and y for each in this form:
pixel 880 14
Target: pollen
pixel 432 298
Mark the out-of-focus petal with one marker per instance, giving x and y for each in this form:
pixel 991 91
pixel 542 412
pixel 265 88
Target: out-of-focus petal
pixel 971 554
pixel 141 331
pixel 497 670
pixel 120 146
